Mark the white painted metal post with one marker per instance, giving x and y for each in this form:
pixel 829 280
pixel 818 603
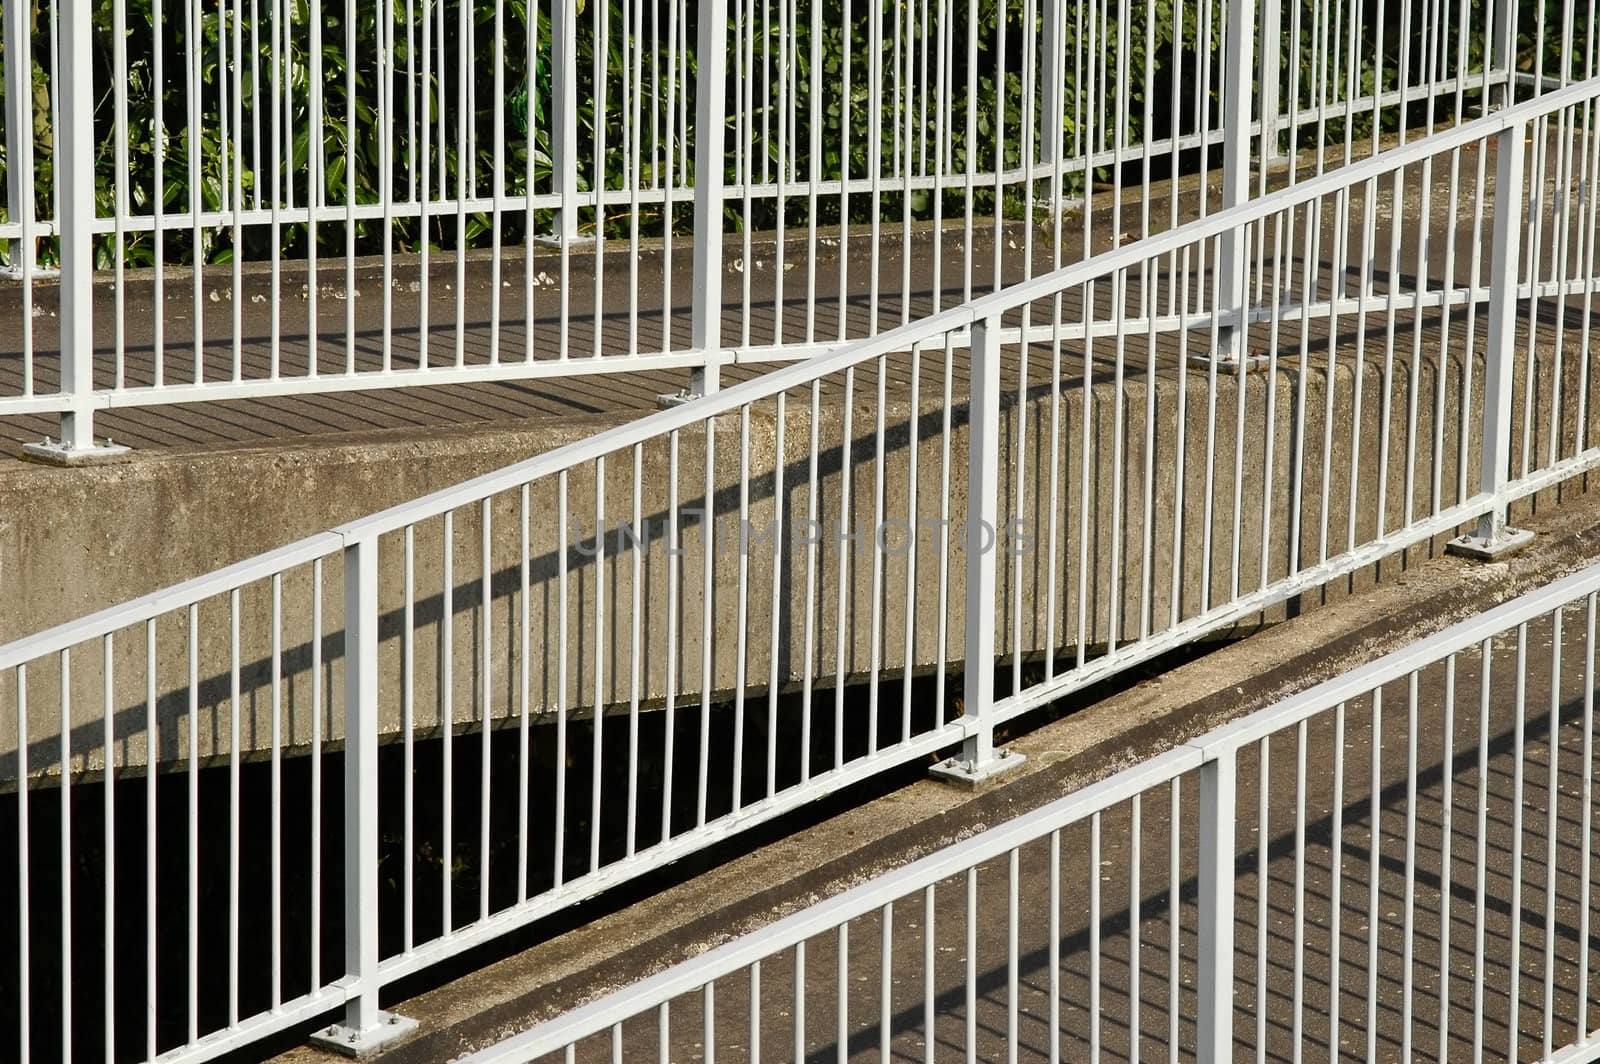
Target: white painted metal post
pixel 1214 1022
pixel 1052 76
pixel 979 759
pixel 564 107
pixel 361 781
pixel 1271 73
pixel 1501 73
pixel 16 33
pixel 983 516
pixel 710 133
pixel 1237 94
pixel 1493 536
pixel 365 1025
pixel 74 145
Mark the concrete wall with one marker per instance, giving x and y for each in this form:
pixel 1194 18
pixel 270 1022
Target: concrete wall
pixel 75 540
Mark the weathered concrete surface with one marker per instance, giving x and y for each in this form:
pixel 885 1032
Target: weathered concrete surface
pixel 1111 552
pixel 705 905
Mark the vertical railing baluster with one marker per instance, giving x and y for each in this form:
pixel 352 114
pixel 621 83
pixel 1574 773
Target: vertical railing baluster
pixel 16 36
pixel 1493 536
pixel 979 759
pixel 1214 1018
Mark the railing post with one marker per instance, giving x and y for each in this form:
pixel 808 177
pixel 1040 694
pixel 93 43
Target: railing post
pixel 564 114
pixel 1214 1021
pixel 74 159
pixel 17 36
pixel 1271 74
pixel 1238 93
pixel 1493 536
pixel 710 132
pixel 1052 76
pixel 365 1026
pixel 978 759
pixel 1501 45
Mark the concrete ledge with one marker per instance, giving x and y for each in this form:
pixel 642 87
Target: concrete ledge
pixel 709 906
pixel 72 541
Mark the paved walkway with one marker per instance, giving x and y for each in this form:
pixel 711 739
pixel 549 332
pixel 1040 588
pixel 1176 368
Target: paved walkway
pixel 1424 908
pixel 658 290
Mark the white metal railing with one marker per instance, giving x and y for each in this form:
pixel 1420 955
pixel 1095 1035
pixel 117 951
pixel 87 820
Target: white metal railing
pixel 1416 832
pixel 528 714
pixel 314 239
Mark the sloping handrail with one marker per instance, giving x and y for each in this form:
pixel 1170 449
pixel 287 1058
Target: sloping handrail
pixel 686 977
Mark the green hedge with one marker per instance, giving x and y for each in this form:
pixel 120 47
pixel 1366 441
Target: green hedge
pixel 527 97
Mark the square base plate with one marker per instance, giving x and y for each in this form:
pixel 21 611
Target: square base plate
pixel 1255 360
pixel 353 1043
pixel 666 402
pixel 555 240
pixel 959 770
pixel 59 454
pixel 1511 539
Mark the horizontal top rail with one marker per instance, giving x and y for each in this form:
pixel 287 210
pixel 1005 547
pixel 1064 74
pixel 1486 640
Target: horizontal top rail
pixel 1401 663
pixel 1348 176
pixel 602 1013
pixel 797 374
pixel 156 603
pixel 1009 298
pixel 658 424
